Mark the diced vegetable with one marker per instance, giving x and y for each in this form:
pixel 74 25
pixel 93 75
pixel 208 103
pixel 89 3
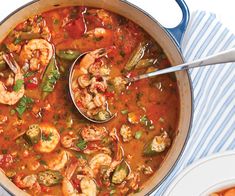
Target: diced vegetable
pixel 138 135
pixel 137 54
pixel 144 120
pixel 18 85
pixel 49 177
pixel 69 121
pixel 144 63
pixel 124 112
pixel 17 40
pixel 157 145
pixel 68 54
pixel 24 103
pixel 50 78
pixel 33 134
pixel 120 173
pixel 102 115
pixel 133 118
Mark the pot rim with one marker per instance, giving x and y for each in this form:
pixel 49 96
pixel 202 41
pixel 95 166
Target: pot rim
pixel 187 72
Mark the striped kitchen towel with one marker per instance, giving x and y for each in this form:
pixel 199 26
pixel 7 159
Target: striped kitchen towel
pixel 213 127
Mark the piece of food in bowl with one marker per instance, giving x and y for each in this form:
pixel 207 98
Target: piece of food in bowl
pixel 226 192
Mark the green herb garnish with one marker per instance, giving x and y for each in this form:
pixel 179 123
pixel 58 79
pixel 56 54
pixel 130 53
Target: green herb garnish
pixel 82 144
pixel 122 53
pixel 23 105
pixel 17 40
pixel 80 155
pixel 18 85
pixel 28 74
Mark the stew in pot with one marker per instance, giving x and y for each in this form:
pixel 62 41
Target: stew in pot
pixel 46 146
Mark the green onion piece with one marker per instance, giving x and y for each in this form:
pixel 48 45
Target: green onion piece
pixel 124 111
pixel 138 135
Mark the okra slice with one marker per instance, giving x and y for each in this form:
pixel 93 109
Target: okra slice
pixel 102 115
pixel 68 54
pixel 137 54
pixel 157 145
pixel 49 177
pixel 33 134
pixel 120 173
pixel 144 63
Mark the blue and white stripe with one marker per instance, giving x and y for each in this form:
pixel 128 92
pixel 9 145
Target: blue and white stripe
pixel 213 127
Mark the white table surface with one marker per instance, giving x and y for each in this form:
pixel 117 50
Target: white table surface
pixel 224 9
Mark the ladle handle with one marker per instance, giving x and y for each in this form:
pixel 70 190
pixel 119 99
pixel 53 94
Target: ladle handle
pixel 223 57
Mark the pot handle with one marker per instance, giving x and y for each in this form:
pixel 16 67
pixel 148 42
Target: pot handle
pixel 178 31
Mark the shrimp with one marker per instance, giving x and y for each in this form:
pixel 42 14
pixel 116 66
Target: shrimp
pixel 37 54
pixel 90 59
pixel 97 85
pixel 88 186
pixel 11 98
pixel 67 140
pixel 93 133
pixel 3 119
pixel 49 139
pixel 23 181
pixel 84 81
pixel 134 179
pixel 99 68
pixel 58 161
pixel 99 160
pixel 105 16
pixel 99 100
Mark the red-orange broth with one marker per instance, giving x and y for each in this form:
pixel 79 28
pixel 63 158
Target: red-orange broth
pixel 46 146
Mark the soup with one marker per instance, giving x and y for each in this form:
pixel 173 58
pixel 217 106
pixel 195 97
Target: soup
pixel 226 192
pixel 46 146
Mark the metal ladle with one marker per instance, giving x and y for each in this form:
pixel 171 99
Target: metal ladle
pixel 226 56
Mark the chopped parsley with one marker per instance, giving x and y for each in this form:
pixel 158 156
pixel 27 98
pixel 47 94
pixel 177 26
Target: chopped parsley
pixel 17 40
pixel 23 105
pixel 82 144
pixel 122 53
pixel 18 85
pixel 46 137
pixel 28 74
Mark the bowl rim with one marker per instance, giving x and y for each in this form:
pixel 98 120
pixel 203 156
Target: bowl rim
pixel 186 71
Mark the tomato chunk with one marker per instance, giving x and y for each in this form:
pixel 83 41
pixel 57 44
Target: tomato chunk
pixel 76 28
pixel 6 160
